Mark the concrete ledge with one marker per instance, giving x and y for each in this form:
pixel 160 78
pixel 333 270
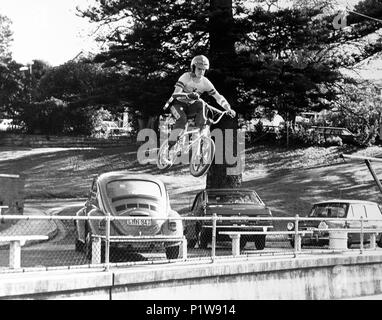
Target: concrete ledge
pixel 328 277
pixel 331 276
pixel 236 267
pixel 56 284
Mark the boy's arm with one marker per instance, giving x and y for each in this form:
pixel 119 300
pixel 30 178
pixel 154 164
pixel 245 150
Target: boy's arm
pixel 224 103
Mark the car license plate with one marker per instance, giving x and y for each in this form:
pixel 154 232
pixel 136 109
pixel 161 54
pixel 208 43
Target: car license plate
pixel 138 222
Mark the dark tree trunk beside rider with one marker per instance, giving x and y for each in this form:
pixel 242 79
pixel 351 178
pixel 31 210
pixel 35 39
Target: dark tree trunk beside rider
pixel 222 55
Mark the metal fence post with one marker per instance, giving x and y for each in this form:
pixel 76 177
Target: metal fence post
pixel 297 245
pixel 213 241
pixel 107 244
pixel 361 236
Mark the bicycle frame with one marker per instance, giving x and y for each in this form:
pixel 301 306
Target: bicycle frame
pixel 204 132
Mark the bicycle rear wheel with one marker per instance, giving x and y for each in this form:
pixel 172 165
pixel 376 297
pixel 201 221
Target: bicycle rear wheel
pixel 201 159
pixel 165 158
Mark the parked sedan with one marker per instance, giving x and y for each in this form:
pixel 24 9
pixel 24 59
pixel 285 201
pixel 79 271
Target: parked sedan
pixel 122 194
pixel 227 203
pixel 354 209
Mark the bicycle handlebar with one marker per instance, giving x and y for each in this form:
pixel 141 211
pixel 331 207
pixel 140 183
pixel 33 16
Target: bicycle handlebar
pixel 205 104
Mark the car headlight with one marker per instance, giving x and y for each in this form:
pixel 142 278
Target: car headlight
pixel 290 226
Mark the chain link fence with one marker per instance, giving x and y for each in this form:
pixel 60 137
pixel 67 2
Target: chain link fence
pixel 48 242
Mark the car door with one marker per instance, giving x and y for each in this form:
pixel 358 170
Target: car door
pixel 374 216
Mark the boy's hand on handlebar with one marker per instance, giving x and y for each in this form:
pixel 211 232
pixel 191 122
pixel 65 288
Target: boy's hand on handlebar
pixel 231 113
pixel 193 96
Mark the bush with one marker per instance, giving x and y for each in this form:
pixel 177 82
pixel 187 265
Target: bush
pixel 46 117
pixel 56 117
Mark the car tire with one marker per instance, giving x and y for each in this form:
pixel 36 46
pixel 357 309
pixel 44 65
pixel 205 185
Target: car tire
pixel 291 241
pixel 191 243
pixel 243 242
pixel 88 243
pixel 79 246
pixel 203 239
pixel 88 246
pixel 172 252
pixel 260 242
pixel 379 243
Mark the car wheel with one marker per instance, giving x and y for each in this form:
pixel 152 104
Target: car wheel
pixel 379 243
pixel 172 252
pixel 88 246
pixel 243 242
pixel 260 242
pixel 191 243
pixel 203 239
pixel 79 246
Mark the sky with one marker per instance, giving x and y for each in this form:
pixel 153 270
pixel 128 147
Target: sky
pixel 47 29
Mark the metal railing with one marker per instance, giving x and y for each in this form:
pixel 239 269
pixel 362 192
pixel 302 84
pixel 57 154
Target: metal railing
pixel 202 240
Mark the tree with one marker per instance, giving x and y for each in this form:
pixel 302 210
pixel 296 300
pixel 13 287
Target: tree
pixel 5 38
pixel 260 57
pixel 151 42
pixel 82 83
pixel 223 58
pixel 12 86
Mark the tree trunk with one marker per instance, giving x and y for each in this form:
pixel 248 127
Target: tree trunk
pixel 222 55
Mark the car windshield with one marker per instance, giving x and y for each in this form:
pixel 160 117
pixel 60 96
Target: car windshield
pixel 333 210
pixel 120 188
pixel 242 198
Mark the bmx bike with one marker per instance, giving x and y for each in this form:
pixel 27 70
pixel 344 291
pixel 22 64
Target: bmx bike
pixel 202 146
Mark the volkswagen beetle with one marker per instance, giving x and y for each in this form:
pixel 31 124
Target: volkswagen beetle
pixel 125 195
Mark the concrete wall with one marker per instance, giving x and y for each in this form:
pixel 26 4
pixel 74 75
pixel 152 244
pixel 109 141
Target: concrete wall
pixel 334 276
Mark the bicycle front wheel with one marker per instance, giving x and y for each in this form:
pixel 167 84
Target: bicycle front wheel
pixel 165 157
pixel 202 157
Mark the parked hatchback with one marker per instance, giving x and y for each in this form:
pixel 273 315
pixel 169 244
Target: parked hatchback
pixel 352 209
pixel 122 194
pixel 234 203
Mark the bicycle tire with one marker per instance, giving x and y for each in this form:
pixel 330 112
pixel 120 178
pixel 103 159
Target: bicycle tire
pixel 163 161
pixel 198 167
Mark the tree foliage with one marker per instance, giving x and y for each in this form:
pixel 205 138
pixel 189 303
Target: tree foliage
pixel 5 38
pixel 359 108
pixel 12 86
pixel 82 84
pixel 281 59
